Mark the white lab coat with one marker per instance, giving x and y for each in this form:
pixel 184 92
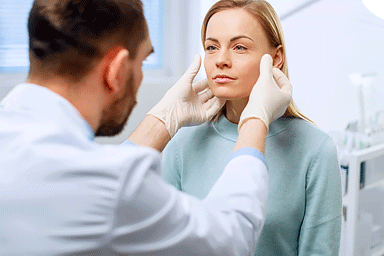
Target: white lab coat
pixel 63 194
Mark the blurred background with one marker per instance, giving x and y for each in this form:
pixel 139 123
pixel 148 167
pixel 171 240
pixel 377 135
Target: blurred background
pixel 327 40
pixel 335 54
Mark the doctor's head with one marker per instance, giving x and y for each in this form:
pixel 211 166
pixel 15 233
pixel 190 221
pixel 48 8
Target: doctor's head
pixel 235 35
pixel 98 44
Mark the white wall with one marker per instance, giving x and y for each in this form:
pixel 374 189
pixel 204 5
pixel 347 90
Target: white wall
pixel 325 43
pixel 8 81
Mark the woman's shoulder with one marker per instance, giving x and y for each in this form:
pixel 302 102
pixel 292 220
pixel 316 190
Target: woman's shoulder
pixel 296 126
pixel 300 133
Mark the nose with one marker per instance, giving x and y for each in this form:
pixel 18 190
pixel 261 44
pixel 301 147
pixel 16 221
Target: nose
pixel 223 59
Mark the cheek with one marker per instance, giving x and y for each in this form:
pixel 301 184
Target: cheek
pixel 209 66
pixel 249 73
pixel 138 78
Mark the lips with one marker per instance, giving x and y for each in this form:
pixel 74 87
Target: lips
pixel 223 79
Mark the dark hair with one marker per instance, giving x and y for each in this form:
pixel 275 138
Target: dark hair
pixel 66 36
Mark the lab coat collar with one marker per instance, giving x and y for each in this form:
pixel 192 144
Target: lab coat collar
pixel 29 96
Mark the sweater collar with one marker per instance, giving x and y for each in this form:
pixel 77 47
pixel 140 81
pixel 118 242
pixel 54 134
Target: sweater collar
pixel 228 130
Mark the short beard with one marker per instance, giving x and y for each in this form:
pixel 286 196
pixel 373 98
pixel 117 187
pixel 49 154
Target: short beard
pixel 111 128
pixel 109 125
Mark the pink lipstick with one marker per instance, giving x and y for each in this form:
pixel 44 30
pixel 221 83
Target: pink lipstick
pixel 223 79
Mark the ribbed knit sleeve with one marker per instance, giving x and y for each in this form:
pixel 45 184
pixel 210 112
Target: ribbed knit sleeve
pixel 321 227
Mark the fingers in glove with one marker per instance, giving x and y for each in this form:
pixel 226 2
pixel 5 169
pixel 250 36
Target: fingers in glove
pixel 209 103
pixel 266 66
pixel 213 106
pixel 282 81
pixel 206 95
pixel 200 86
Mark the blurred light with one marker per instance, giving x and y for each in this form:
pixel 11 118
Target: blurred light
pixel 375 6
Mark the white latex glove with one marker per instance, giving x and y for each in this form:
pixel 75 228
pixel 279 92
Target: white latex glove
pixel 268 100
pixel 187 104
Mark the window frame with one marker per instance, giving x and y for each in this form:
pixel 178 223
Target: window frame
pixel 175 41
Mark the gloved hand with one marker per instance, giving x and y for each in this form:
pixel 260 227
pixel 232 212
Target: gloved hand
pixel 186 103
pixel 268 100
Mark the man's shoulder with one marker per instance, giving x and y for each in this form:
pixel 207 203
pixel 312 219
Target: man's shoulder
pixel 129 152
pixel 51 143
pixel 112 157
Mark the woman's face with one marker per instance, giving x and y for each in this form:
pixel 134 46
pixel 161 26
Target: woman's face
pixel 234 45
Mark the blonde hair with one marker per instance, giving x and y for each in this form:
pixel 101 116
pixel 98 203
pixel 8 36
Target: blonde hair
pixel 270 22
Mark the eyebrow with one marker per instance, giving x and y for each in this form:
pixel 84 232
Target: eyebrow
pixel 232 39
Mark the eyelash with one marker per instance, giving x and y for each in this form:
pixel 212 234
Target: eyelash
pixel 243 48
pixel 209 48
pixel 212 48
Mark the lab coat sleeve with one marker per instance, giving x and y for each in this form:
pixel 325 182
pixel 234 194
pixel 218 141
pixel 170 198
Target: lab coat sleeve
pixel 321 228
pixel 154 218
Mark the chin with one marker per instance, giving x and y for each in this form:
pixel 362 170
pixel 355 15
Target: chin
pixel 228 94
pixel 114 125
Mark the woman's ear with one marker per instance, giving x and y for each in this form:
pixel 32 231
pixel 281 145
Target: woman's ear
pixel 117 71
pixel 278 57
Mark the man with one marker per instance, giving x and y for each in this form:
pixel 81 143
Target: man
pixel 63 194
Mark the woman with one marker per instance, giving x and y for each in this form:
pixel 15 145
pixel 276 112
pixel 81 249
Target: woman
pixel 304 206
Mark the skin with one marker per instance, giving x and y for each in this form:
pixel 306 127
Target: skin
pixel 115 117
pixel 234 45
pixel 106 96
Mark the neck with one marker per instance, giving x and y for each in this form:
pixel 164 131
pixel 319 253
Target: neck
pixel 234 108
pixel 82 95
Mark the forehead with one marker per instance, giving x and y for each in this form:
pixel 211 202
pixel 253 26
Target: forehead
pixel 233 22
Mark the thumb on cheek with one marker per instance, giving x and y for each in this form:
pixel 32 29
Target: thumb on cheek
pixel 266 66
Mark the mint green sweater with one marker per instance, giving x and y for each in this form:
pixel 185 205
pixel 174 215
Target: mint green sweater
pixel 304 198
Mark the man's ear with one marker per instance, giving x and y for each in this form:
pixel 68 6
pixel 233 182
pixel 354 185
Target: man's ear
pixel 117 71
pixel 278 57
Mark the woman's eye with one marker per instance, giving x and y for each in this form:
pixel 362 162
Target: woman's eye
pixel 240 48
pixel 211 48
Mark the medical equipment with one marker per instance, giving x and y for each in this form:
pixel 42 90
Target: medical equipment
pixel 368 130
pixel 361 154
pixel 363 204
pixel 363 84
